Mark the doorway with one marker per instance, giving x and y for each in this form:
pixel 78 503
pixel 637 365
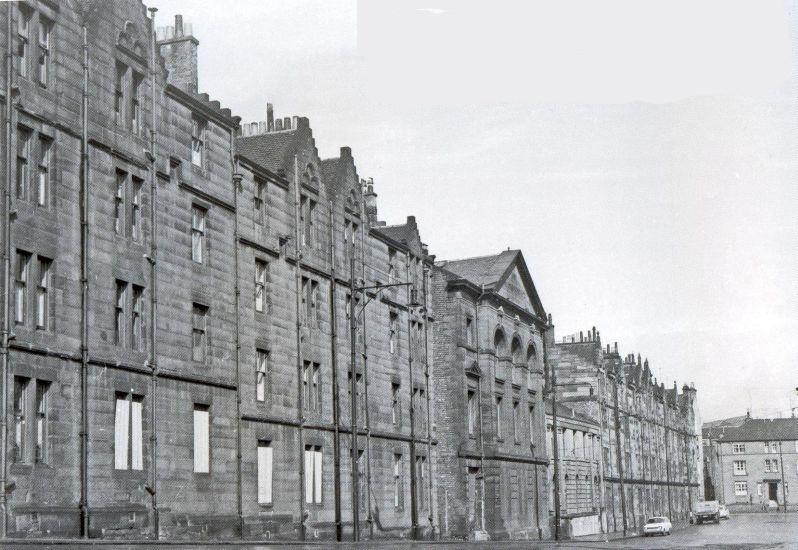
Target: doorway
pixel 773 491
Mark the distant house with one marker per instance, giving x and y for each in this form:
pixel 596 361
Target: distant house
pixel 751 461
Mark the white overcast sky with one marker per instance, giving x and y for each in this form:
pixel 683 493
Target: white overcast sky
pixel 643 155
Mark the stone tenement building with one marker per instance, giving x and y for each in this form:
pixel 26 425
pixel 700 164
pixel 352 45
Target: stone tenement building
pixel 489 347
pixel 649 439
pixel 579 472
pixel 181 294
pixel 752 461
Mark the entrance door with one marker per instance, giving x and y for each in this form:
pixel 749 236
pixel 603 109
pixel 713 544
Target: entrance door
pixel 773 491
pixel 474 488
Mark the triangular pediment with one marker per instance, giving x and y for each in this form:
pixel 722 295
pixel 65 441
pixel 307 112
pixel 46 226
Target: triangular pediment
pixel 516 286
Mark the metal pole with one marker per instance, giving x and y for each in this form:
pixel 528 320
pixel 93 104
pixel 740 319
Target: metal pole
pixel 300 396
pixel 556 437
pixel 353 393
pixel 413 487
pixel 618 455
pixel 667 460
pixel 4 336
pixel 335 395
pixel 425 274
pixel 153 289
pixel 481 416
pixel 366 419
pixel 783 485
pixel 84 279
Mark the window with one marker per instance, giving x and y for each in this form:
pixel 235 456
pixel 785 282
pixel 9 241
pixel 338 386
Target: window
pixel 135 102
pixel 198 135
pixel 741 488
pixel 265 456
pixel 398 483
pixel 516 420
pixel 119 202
pixel 419 405
pixel 45 30
pixel 260 285
pixel 21 287
pixel 20 417
pixel 311 382
pixel 43 294
pixel 175 170
pixel 135 210
pixel 136 334
pixel 313 474
pixel 128 438
pixel 774 447
pixel 258 200
pixel 396 405
pixel 738 448
pixel 119 323
pixel 199 320
pixel 361 405
pixel 310 301
pixel 421 462
pixel 43 179
pixel 197 233
pixel 739 468
pixel 261 374
pixel 23 41
pixel 393 322
pixel 42 421
pixel 469 331
pixel 531 423
pixel 23 168
pixel 202 438
pixel 772 465
pixel 471 403
pixel 119 93
pixel 498 417
pixel 391 266
pixel 307 209
pixel 767 465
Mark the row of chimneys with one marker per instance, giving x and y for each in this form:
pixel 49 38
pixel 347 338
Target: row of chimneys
pixel 270 124
pixel 179 30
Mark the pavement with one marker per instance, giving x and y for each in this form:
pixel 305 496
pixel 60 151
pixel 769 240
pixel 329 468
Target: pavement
pixel 752 531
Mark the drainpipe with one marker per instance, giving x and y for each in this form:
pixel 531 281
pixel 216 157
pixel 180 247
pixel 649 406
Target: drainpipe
pixel 300 396
pixel 237 177
pixel 425 274
pixel 84 280
pixel 153 489
pixel 413 472
pixel 603 496
pixel 619 454
pixel 481 416
pixel 335 395
pixel 4 336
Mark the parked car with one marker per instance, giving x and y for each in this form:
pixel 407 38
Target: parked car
pixel 723 512
pixel 657 525
pixel 707 510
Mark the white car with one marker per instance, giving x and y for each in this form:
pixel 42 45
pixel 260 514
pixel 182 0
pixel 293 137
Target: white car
pixel 723 512
pixel 657 525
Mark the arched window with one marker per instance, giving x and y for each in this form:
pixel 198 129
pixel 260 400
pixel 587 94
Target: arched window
pixel 500 343
pixel 531 357
pixel 515 350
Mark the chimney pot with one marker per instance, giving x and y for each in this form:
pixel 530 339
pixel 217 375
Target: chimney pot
pixel 278 125
pixel 178 26
pixel 287 123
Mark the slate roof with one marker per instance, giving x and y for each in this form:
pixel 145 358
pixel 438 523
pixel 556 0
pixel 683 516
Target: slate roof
pixel 404 233
pixel 757 429
pixel 567 413
pixel 482 270
pixel 271 150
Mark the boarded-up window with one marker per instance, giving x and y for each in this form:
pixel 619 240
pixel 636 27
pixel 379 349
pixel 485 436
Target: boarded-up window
pixel 265 456
pixel 202 446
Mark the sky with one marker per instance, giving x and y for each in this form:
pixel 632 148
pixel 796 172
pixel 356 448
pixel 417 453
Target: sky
pixel 642 155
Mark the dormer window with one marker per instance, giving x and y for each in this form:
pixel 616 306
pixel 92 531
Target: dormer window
pixel 198 131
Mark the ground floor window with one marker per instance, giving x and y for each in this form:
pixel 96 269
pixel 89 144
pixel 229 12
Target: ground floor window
pixel 741 488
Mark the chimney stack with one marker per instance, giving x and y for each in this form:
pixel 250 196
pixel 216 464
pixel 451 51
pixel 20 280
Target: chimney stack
pixel 179 49
pixel 269 117
pixel 370 201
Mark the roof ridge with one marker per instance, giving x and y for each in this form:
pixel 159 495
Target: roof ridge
pixel 479 257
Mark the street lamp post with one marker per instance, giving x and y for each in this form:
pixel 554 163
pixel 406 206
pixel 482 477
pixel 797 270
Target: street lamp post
pixel 353 319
